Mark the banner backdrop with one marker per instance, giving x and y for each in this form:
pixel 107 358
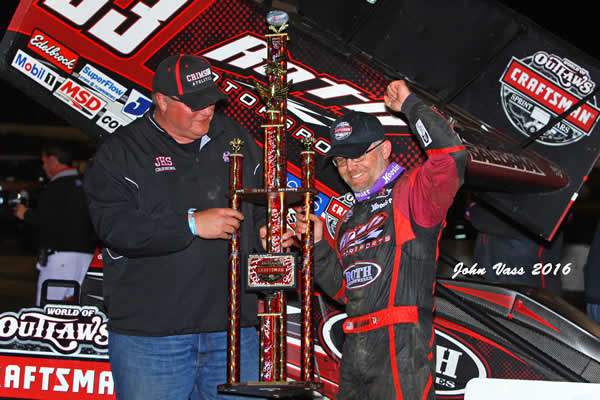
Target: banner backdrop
pixel 92 62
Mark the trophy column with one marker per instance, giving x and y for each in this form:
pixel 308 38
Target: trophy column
pixel 273 273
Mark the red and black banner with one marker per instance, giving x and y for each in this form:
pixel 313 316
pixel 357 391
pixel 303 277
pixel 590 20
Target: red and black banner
pixel 523 101
pixel 92 62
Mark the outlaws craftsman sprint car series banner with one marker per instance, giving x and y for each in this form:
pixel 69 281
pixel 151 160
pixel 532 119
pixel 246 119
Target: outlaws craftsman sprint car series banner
pixel 523 101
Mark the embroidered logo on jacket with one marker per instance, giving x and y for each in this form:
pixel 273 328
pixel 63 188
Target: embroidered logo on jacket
pixel 361 274
pixel 163 163
pixel 364 236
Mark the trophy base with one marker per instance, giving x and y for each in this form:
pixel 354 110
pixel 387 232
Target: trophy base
pixel 276 390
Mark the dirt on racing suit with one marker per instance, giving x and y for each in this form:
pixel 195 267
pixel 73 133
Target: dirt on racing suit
pixel 384 264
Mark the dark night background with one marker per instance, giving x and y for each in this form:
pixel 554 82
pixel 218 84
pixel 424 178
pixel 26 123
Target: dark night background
pixel 25 124
pixel 577 24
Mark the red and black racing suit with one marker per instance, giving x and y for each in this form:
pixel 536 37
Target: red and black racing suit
pixel 384 264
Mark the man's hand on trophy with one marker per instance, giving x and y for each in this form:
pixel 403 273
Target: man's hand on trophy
pixel 287 239
pixel 217 223
pixel 301 225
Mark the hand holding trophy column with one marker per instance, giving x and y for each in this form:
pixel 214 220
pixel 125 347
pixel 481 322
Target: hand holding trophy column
pixel 273 273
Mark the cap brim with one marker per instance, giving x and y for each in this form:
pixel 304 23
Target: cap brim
pixel 350 150
pixel 203 98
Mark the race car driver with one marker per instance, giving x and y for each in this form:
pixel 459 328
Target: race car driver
pixel 383 262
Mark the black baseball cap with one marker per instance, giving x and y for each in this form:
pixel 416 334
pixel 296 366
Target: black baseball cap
pixel 189 78
pixel 352 134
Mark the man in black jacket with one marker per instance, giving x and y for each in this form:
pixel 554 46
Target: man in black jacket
pixel 62 225
pixel 158 196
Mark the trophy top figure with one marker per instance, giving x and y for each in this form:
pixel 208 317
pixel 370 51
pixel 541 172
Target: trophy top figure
pixel 277 20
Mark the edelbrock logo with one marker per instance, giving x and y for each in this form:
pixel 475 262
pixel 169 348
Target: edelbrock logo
pixel 52 50
pixel 34 70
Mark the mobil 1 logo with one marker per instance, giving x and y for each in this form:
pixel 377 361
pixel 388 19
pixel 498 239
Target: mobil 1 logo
pixel 34 70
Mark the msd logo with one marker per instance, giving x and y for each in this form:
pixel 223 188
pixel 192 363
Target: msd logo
pixel 80 98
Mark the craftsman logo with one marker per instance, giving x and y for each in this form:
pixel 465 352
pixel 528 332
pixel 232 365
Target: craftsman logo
pixel 539 88
pixel 342 130
pixel 121 30
pixel 35 70
pixel 101 82
pixel 336 209
pixel 163 163
pixel 455 365
pixel 59 352
pixel 361 274
pixel 80 98
pixel 53 51
pixel 274 271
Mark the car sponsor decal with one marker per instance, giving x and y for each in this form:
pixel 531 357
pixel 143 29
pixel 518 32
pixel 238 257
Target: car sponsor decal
pixel 101 82
pixel 80 98
pixel 58 352
pixel 35 70
pixel 336 209
pixel 540 87
pixel 52 50
pixel 456 363
pixel 361 274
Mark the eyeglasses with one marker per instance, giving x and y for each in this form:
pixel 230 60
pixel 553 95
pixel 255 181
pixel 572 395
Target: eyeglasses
pixel 179 100
pixel 342 161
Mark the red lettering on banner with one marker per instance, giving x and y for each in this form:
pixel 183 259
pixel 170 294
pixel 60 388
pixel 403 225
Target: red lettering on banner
pixel 81 96
pixel 51 378
pixel 337 209
pixel 528 82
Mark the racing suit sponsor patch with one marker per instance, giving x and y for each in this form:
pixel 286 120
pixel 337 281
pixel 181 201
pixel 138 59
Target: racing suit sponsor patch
pixel 361 274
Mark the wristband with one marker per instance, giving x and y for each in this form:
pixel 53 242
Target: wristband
pixel 191 222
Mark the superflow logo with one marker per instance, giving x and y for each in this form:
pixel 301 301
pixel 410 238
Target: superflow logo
pixel 542 86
